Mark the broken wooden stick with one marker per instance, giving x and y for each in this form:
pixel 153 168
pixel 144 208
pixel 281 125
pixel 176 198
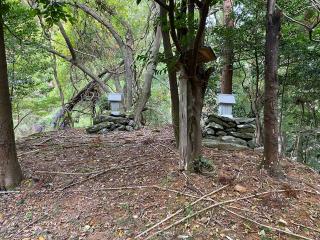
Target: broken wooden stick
pixel 179 211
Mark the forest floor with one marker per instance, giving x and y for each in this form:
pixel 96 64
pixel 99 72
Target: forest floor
pixel 118 185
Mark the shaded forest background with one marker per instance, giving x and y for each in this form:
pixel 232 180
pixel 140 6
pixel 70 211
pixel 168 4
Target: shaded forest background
pixel 118 43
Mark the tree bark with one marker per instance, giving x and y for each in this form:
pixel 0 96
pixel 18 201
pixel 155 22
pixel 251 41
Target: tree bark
pixel 10 171
pixel 169 59
pixel 150 70
pixel 191 102
pixel 271 131
pixel 228 55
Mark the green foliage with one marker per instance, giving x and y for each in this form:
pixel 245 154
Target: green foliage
pixel 203 165
pixel 52 11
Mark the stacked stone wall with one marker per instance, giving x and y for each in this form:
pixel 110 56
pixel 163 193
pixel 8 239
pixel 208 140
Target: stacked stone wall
pixel 235 131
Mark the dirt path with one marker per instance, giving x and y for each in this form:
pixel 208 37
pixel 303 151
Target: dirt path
pixel 116 186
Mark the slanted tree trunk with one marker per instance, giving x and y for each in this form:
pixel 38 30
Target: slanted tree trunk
pixel 126 46
pixel 271 131
pixel 150 70
pixel 172 74
pixel 228 55
pixel 10 171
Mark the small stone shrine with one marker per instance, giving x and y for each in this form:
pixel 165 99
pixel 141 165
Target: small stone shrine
pixel 115 120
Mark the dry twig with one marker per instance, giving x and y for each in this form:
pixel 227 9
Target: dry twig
pixel 218 204
pixel 102 173
pixel 310 228
pixel 268 227
pixel 179 211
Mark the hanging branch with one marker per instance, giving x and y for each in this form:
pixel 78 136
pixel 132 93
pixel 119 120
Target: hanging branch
pixel 68 42
pixel 172 26
pixel 201 27
pixel 20 121
pixel 310 29
pixel 74 61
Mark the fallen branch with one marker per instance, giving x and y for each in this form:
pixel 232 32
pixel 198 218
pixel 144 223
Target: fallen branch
pixel 44 141
pixel 34 222
pixel 310 228
pixel 119 188
pixel 179 211
pixel 65 173
pixel 7 192
pixel 218 204
pixel 170 149
pixel 25 153
pixel 102 173
pixel 268 227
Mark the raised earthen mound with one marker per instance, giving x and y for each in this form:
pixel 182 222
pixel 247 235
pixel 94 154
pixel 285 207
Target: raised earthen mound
pixel 126 184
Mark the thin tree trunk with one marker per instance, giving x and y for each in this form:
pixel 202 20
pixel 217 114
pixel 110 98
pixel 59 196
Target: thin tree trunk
pixel 10 171
pixel 56 78
pixel 55 67
pixel 117 83
pixel 227 72
pixel 150 70
pixel 173 83
pixel 281 117
pixel 257 103
pixel 129 74
pixel 271 131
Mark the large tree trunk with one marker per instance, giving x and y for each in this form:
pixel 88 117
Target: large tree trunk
pixel 227 72
pixel 193 78
pixel 172 74
pixel 150 70
pixel 10 171
pixel 191 102
pixel 271 157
